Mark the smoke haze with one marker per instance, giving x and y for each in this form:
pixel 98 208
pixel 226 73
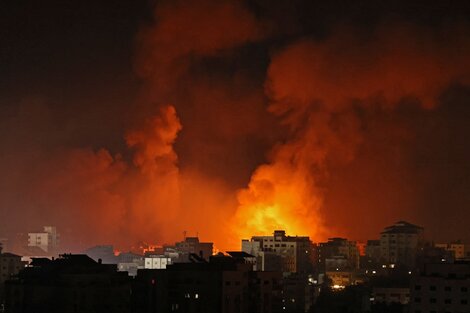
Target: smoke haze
pixel 240 117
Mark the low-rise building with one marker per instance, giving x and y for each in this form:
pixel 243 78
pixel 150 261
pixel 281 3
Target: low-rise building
pixel 157 262
pixel 222 284
pixel 457 248
pixel 47 239
pixel 70 283
pixel 10 265
pixel 389 295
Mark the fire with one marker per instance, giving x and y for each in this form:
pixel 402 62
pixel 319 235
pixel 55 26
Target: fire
pixel 279 196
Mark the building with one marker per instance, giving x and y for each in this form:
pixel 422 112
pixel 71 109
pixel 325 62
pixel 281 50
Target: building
pixel 221 285
pixel 389 295
pixel 10 265
pixel 441 287
pixel 337 250
pixel 457 248
pixel 289 254
pixel 105 253
pixel 373 251
pixel 47 240
pixel 70 283
pixel 157 262
pixel 191 245
pixel 399 244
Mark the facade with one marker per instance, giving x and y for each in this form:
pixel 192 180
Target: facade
pixel 222 285
pixel 157 262
pixel 390 295
pixel 337 250
pixel 70 283
pixel 192 245
pixel 289 254
pixel 47 240
pixel 399 244
pixel 457 249
pixel 341 279
pixel 441 287
pixel 10 265
pixel 373 251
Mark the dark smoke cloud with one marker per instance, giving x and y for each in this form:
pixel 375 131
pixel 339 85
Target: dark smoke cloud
pixel 332 118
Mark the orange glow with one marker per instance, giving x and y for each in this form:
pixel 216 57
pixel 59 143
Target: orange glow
pixel 279 196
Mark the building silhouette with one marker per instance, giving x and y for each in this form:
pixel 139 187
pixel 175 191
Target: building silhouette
pixel 221 285
pixel 70 283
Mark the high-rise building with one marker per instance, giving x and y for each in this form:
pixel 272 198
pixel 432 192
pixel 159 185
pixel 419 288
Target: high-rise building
pixel 399 244
pixel 280 252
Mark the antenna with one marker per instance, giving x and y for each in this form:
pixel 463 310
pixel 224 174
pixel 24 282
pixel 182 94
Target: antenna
pixel 184 235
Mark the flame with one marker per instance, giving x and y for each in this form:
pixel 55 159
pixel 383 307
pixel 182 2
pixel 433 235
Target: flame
pixel 279 196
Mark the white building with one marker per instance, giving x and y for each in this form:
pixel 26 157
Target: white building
pixel 280 252
pixel 157 262
pixel 47 240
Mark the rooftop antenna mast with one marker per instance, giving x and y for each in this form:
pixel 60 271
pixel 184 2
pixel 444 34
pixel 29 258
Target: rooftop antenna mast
pixel 184 235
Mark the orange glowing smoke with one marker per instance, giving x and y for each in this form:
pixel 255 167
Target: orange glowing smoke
pixel 317 89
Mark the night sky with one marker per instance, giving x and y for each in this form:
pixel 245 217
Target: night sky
pixel 137 120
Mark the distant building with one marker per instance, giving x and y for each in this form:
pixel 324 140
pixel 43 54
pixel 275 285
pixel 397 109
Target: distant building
pixel 105 253
pixel 457 248
pixel 390 295
pixel 441 287
pixel 289 254
pixel 157 262
pixel 399 244
pixel 373 251
pixel 341 279
pixel 129 262
pixel 337 250
pixel 192 245
pixel 71 283
pixel 47 240
pixel 221 285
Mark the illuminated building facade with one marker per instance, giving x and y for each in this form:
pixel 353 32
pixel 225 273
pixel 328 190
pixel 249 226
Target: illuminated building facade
pixel 47 240
pixel 280 252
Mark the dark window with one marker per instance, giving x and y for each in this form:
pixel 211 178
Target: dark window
pixel 418 287
pixel 432 288
pixel 447 288
pixel 464 301
pixel 448 301
pixel 464 289
pixel 432 300
pixel 418 300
